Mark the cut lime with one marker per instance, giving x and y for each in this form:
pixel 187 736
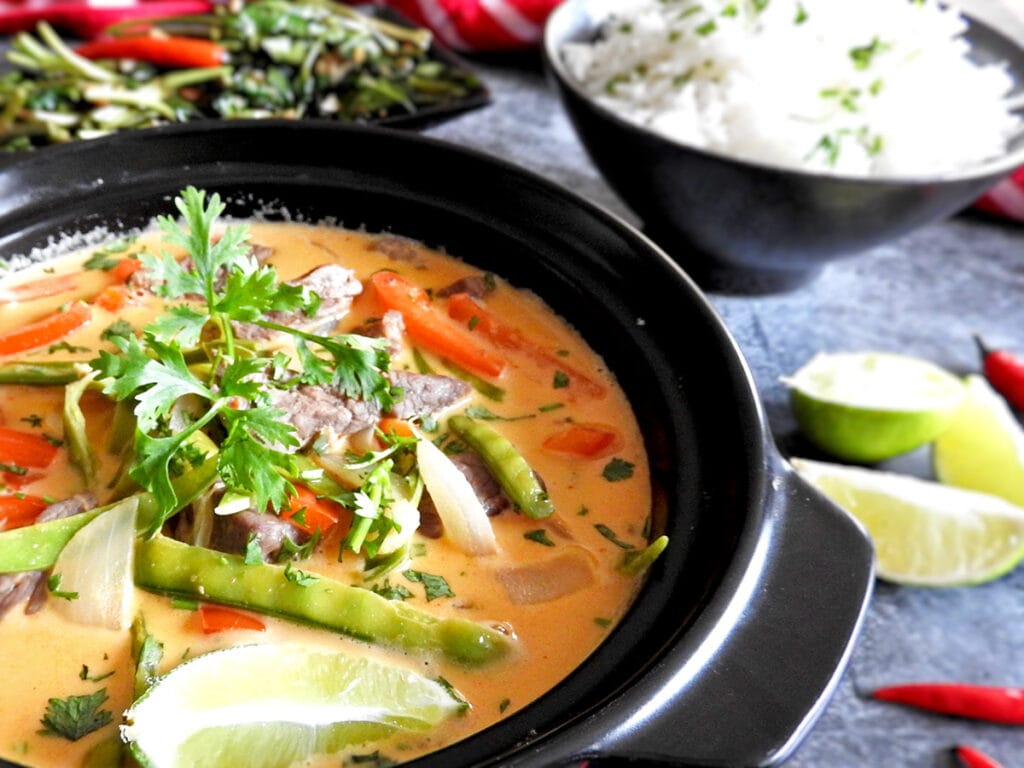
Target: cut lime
pixel 871 406
pixel 983 448
pixel 269 706
pixel 925 533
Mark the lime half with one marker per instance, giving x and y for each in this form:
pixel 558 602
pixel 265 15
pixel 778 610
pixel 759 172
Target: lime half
pixel 983 448
pixel 925 533
pixel 270 706
pixel 871 406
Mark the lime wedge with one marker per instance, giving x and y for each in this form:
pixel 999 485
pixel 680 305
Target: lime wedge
pixel 983 448
pixel 925 533
pixel 270 706
pixel 871 406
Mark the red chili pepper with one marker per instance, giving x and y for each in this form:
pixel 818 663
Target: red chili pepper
pixel 970 757
pixel 991 703
pixel 180 52
pixel 1005 372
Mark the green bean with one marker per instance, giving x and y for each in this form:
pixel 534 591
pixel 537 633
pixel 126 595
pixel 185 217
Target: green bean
pixel 147 652
pixel 170 567
pixel 36 547
pixel 75 436
pixel 507 465
pixel 45 373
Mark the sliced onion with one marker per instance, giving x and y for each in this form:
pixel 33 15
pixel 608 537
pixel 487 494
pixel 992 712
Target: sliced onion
pixel 550 579
pixel 407 517
pixel 465 521
pixel 97 564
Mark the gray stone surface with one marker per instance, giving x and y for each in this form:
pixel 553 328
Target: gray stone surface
pixel 924 295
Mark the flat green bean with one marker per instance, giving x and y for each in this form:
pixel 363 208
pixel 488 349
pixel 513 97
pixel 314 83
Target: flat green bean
pixel 170 567
pixel 507 465
pixel 43 373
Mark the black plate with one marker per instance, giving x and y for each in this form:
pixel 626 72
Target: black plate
pixel 744 625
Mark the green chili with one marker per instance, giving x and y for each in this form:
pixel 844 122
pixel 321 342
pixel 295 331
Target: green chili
pixel 171 567
pixel 506 464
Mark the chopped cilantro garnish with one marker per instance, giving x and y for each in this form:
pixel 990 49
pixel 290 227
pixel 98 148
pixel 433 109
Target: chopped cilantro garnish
pixel 301 578
pixel 253 550
pixel 53 585
pixel 560 380
pixel 862 56
pixel 76 716
pixel 433 585
pixel 609 534
pixel 33 420
pixel 391 591
pixel 121 328
pixel 540 536
pixel 617 469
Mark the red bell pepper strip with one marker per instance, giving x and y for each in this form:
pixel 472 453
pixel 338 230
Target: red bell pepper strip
pixel 112 298
pixel 584 440
pixel 309 513
pixel 465 309
pixel 53 285
pixel 19 510
pixel 990 703
pixel 218 618
pixel 175 52
pixel 45 331
pixel 969 757
pixel 125 268
pixel 25 449
pixel 1005 372
pixel 432 329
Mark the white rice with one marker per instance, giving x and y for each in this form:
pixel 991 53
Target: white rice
pixel 853 87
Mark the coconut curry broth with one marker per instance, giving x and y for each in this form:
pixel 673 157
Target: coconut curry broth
pixel 598 514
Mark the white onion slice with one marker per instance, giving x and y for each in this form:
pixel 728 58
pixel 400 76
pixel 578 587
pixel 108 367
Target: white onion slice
pixel 97 563
pixel 465 521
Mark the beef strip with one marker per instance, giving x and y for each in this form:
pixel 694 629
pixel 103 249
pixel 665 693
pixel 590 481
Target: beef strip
pixel 487 489
pixel 335 285
pixel 399 249
pixel 15 587
pixel 390 326
pixel 317 410
pixel 231 533
pixel 475 285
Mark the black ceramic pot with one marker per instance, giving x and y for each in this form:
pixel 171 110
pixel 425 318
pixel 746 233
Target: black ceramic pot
pixel 746 622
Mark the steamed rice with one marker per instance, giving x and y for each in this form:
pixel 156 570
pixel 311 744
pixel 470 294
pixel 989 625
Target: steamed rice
pixel 855 87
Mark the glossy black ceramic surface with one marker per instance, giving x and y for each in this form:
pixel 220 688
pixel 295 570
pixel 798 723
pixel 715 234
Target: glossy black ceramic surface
pixel 744 225
pixel 744 625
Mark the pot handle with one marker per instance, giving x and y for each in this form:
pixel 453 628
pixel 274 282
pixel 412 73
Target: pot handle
pixel 760 679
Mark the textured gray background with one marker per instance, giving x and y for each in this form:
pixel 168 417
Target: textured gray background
pixel 923 295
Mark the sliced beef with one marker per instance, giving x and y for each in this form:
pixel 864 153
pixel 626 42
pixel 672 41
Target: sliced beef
pixel 390 326
pixel 487 489
pixel 319 410
pixel 31 585
pixel 231 533
pixel 475 285
pixel 335 285
pixel 399 249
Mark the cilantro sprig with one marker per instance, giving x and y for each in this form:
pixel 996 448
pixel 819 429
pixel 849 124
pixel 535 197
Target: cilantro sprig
pixel 229 397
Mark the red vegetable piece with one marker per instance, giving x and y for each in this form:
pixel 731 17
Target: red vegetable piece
pixel 1005 372
pixel 970 757
pixel 307 512
pixel 219 618
pixel 45 331
pixel 989 703
pixel 19 510
pixel 25 449
pixel 170 51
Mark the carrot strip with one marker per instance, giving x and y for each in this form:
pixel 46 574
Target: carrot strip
pixel 125 268
pixel 308 512
pixel 112 298
pixel 19 510
pixel 25 449
pixel 463 308
pixel 392 426
pixel 53 285
pixel 218 618
pixel 45 331
pixel 432 329
pixel 583 440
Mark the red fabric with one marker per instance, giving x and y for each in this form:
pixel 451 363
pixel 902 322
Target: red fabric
pixel 480 25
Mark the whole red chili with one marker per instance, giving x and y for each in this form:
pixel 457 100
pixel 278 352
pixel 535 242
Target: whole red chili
pixel 991 703
pixel 1005 372
pixel 969 757
pixel 178 52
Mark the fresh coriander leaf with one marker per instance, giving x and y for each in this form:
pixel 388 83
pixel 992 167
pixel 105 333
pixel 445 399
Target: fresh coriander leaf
pixel 609 534
pixel 13 469
pixel 245 463
pixel 433 585
pixel 540 536
pixel 76 716
pixel 181 324
pixel 102 260
pixel 120 328
pixel 301 578
pixel 65 346
pixel 391 591
pixel 560 380
pixel 33 420
pixel 84 675
pixel 617 469
pixel 253 550
pixel 53 585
